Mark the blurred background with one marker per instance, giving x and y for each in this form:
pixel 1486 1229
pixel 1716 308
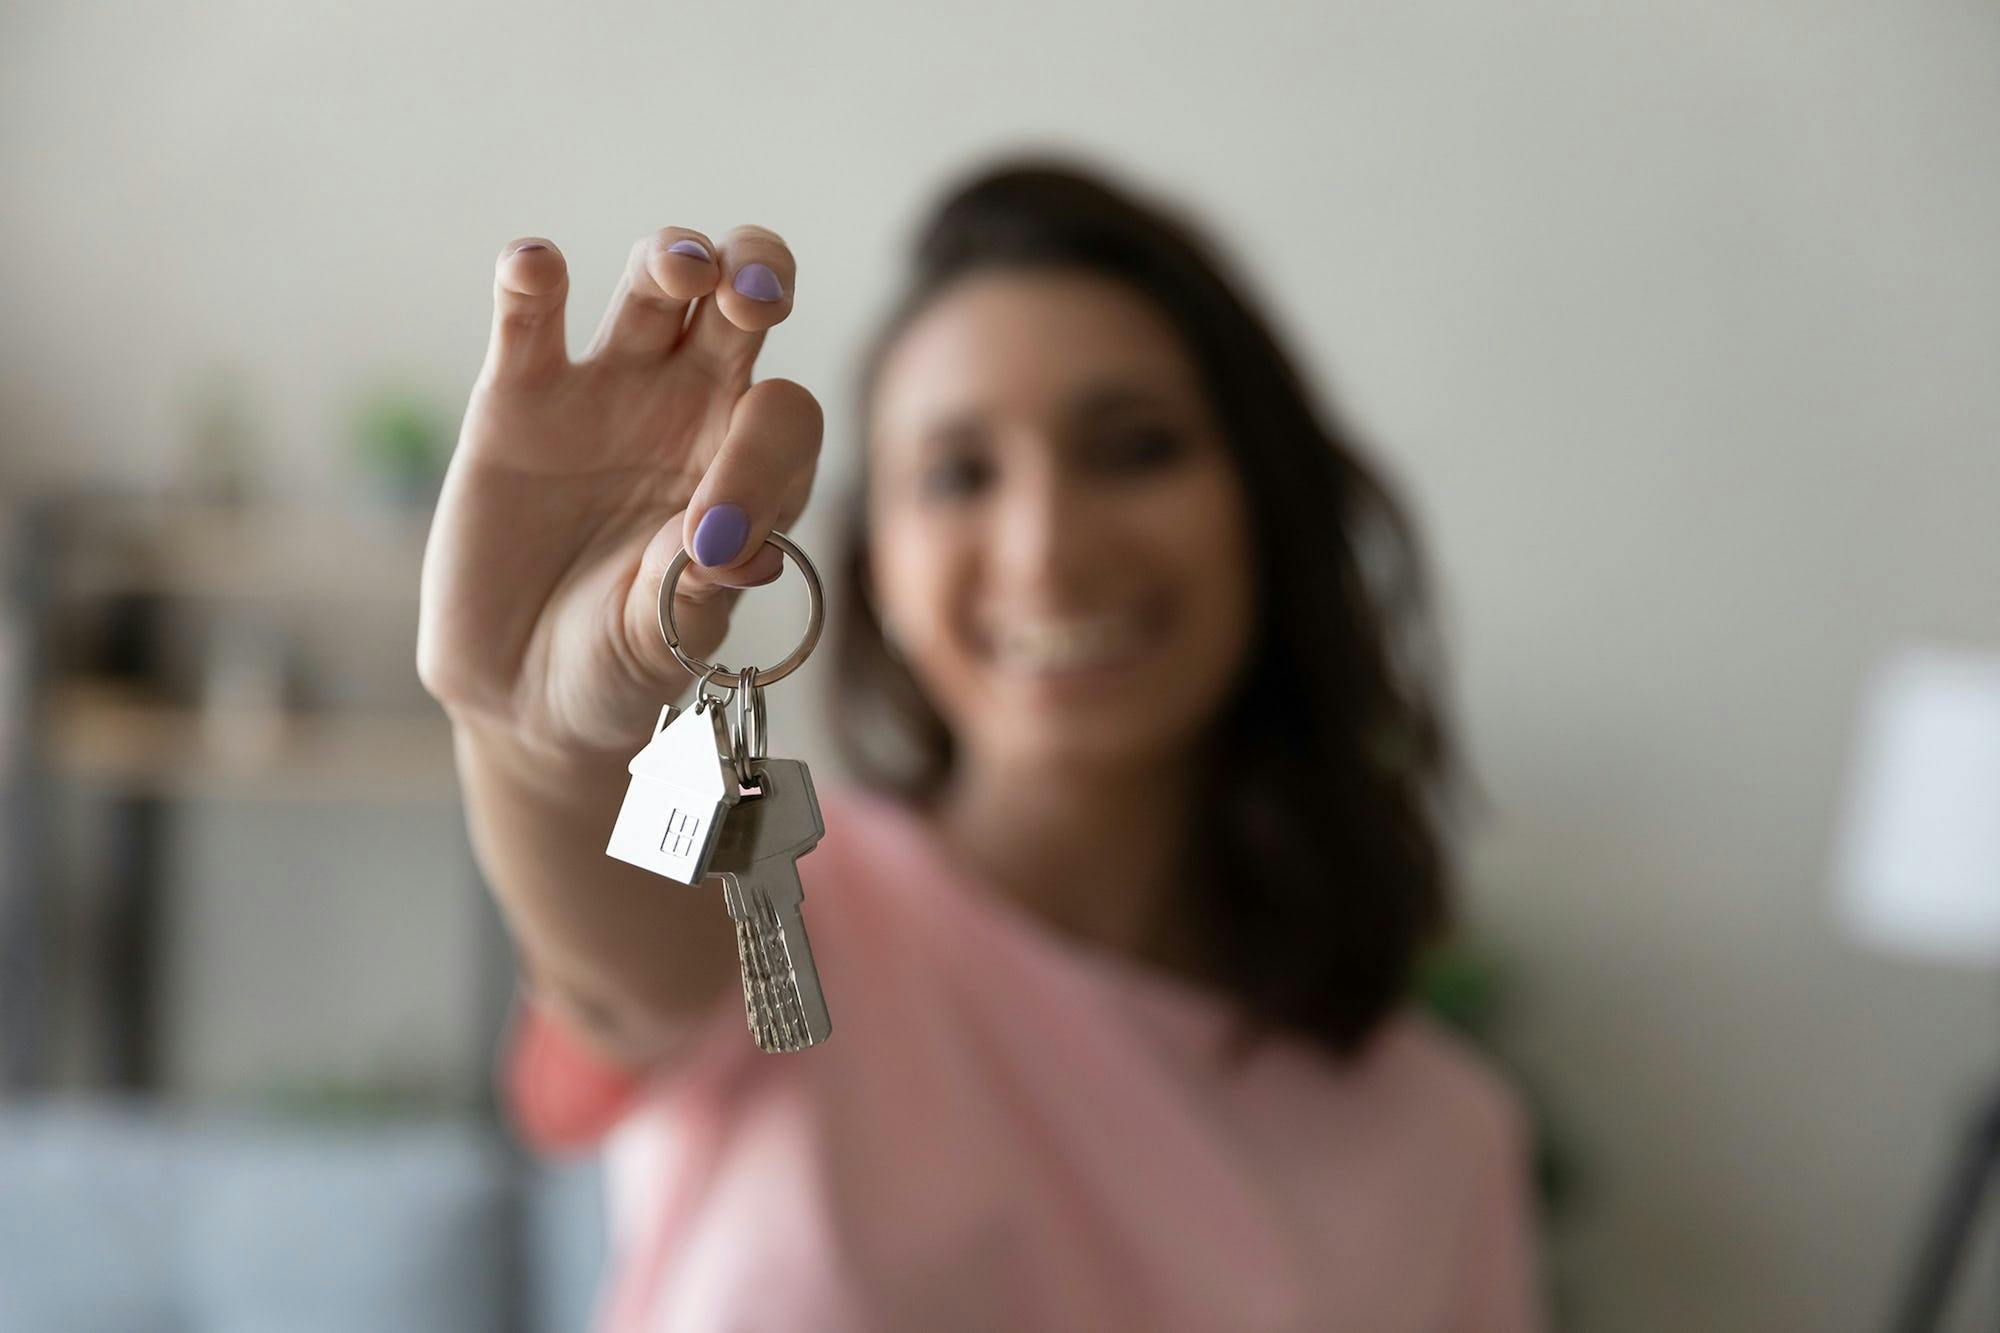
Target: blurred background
pixel 1679 324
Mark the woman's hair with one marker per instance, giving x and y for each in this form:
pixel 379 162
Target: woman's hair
pixel 1324 872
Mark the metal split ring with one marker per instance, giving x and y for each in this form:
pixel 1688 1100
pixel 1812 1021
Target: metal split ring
pixel 815 621
pixel 746 727
pixel 703 698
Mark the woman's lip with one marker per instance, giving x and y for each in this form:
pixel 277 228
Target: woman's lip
pixel 1142 639
pixel 1087 686
pixel 1125 657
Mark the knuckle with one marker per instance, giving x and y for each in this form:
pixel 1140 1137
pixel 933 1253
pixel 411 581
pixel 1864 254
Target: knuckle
pixel 795 404
pixel 442 678
pixel 640 278
pixel 517 320
pixel 762 240
pixel 538 279
pixel 429 673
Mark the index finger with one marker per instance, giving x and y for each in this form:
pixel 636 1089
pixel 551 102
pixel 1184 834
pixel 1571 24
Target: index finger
pixel 757 481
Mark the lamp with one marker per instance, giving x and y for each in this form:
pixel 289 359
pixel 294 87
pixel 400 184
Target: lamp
pixel 1917 871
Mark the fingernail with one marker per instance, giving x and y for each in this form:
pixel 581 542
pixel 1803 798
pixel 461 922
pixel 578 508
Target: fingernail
pixel 719 537
pixel 757 282
pixel 531 245
pixel 685 247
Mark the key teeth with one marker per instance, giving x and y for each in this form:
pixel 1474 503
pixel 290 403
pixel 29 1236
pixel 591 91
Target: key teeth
pixel 771 1001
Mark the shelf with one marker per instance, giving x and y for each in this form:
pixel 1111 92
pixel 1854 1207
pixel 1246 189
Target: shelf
pixel 255 551
pixel 108 735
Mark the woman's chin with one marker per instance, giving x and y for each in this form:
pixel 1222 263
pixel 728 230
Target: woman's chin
pixel 1068 725
pixel 1065 689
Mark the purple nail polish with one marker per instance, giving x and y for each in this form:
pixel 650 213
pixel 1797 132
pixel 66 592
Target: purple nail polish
pixel 687 247
pixel 759 283
pixel 720 535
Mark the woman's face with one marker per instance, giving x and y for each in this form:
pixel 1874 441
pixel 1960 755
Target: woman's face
pixel 1058 533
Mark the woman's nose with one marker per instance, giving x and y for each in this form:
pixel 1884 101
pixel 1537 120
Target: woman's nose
pixel 1043 531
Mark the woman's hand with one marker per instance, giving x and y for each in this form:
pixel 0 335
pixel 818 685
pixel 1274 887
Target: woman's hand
pixel 575 482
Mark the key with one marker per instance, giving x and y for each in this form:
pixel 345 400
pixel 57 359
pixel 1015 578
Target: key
pixel 682 787
pixel 765 834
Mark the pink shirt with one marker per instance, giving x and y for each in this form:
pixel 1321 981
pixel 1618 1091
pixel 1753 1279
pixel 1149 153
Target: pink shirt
pixel 1008 1130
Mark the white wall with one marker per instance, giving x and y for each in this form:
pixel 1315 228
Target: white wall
pixel 1680 321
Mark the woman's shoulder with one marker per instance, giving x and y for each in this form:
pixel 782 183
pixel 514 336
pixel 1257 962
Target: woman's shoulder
pixel 1415 1091
pixel 1438 1082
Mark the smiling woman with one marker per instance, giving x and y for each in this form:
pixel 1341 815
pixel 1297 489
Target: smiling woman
pixel 1106 519
pixel 1058 534
pixel 1119 932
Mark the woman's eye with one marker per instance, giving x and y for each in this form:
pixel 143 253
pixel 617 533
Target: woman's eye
pixel 1140 449
pixel 949 478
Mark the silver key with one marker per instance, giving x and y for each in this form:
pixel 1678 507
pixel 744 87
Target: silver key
pixel 682 787
pixel 757 857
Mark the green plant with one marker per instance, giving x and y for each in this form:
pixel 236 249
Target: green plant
pixel 403 439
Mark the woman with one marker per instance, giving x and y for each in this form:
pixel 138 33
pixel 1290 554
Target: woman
pixel 1117 930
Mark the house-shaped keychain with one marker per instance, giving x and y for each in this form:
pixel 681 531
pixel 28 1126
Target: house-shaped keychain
pixel 682 786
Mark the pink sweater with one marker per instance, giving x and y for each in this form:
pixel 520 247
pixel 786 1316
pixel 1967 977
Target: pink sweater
pixel 1011 1131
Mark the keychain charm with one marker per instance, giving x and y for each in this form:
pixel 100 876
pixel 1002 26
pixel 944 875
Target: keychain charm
pixel 682 786
pixel 706 799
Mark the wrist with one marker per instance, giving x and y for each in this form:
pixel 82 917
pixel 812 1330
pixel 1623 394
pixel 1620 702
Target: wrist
pixel 490 749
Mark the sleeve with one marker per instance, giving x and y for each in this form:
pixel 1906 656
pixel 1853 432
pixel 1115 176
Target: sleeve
pixel 1501 1289
pixel 558 1094
pixel 562 1096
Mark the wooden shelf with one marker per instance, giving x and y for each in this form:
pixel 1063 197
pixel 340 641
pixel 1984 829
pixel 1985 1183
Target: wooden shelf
pixel 109 735
pixel 288 553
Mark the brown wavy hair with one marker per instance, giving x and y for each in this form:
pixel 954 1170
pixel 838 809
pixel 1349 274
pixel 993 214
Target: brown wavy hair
pixel 1327 872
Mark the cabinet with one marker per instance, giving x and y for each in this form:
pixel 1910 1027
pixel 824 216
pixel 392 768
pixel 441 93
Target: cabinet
pixel 159 653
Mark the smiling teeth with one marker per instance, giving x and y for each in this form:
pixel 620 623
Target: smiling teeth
pixel 1065 645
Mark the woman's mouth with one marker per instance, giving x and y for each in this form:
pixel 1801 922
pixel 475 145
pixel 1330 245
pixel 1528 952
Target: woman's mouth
pixel 1059 646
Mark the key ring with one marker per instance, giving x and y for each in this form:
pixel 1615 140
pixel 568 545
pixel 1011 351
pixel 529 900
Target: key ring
pixel 746 727
pixel 815 619
pixel 702 698
pixel 750 720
